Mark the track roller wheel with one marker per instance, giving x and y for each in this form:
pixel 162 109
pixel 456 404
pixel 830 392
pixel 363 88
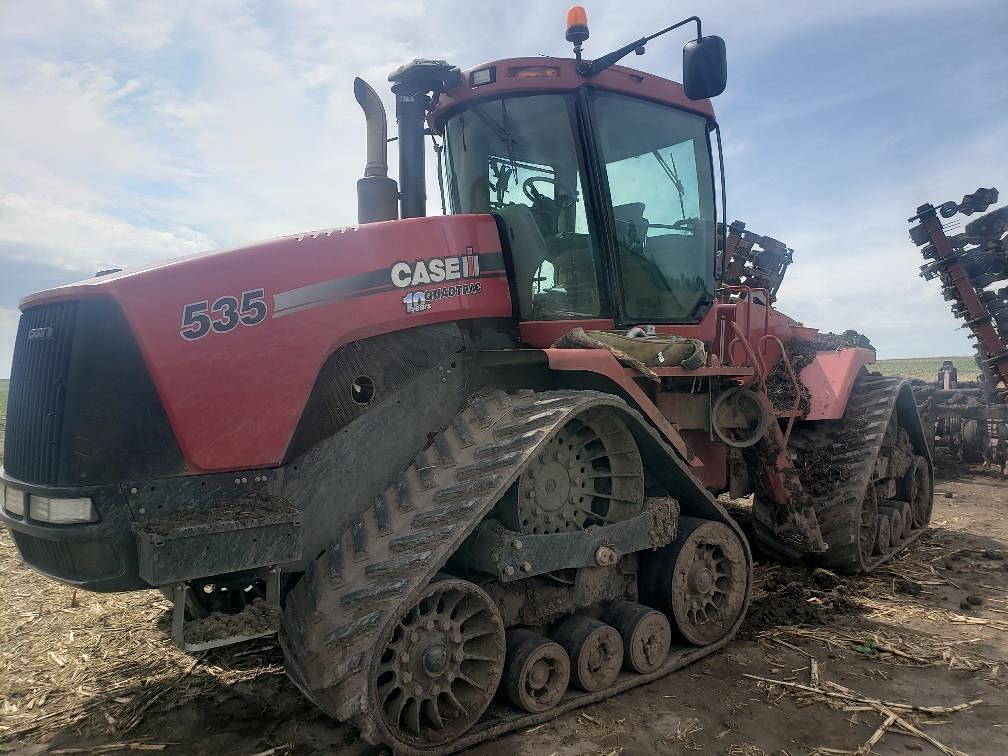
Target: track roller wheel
pixel 869 525
pixel 907 513
pixel 646 633
pixel 595 650
pixel 700 580
pixel 902 518
pixel 895 521
pixel 536 672
pixel 918 489
pixel 883 534
pixel 440 665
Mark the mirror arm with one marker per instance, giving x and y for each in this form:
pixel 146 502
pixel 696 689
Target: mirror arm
pixel 597 66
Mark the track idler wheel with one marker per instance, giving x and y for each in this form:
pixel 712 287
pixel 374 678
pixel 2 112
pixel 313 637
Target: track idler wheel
pixel 700 581
pixel 595 650
pixel 646 633
pixel 918 489
pixel 536 672
pixel 439 666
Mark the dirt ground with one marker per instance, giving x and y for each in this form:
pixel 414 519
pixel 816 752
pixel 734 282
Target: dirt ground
pixel 82 673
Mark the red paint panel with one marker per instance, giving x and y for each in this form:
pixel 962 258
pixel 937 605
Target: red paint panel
pixel 714 472
pixel 829 378
pixel 235 398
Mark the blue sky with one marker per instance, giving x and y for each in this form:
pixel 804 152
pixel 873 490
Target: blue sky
pixel 133 132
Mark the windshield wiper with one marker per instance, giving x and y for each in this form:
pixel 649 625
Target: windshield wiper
pixel 673 176
pixel 503 133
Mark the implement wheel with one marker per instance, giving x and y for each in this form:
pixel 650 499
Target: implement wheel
pixel 974 441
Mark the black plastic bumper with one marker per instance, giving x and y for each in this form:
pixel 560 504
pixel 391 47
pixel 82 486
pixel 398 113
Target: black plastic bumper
pixel 99 556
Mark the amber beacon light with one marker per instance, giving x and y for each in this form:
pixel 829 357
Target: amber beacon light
pixel 577 26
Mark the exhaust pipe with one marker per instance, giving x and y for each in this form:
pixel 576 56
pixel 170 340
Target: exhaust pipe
pixel 377 194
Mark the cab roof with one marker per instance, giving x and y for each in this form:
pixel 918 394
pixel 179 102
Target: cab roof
pixel 541 74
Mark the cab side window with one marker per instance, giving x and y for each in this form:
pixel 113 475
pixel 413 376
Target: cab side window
pixel 517 158
pixel 662 206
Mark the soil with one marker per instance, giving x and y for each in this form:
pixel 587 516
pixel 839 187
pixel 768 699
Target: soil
pixel 255 619
pixel 928 629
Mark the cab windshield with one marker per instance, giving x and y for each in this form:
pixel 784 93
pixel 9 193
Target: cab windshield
pixel 651 215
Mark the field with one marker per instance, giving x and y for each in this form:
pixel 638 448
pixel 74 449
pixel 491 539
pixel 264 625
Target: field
pixel 821 666
pixel 926 368
pixel 912 658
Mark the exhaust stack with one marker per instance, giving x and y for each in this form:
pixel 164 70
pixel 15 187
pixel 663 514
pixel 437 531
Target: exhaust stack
pixel 377 194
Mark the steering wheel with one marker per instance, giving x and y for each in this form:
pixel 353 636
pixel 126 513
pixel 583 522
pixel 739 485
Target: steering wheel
pixel 536 197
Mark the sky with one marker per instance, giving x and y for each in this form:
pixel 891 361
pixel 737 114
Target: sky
pixel 132 132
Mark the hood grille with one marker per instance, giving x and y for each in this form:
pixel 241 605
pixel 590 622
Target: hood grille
pixel 38 391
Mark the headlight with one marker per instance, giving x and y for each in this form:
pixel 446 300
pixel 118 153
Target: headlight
pixel 61 511
pixel 14 501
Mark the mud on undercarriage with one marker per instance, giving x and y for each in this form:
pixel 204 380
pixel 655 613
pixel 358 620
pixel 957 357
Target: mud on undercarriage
pixel 442 618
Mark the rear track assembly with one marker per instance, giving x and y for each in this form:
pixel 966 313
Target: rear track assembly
pixel 846 468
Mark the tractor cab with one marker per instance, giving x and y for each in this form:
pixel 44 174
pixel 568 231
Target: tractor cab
pixel 605 199
pixel 600 177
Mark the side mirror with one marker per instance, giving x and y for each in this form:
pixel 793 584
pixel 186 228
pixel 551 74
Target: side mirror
pixel 705 68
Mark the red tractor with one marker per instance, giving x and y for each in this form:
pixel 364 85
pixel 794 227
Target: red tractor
pixel 465 464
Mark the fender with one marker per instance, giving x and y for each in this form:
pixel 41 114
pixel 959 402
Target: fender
pixel 829 379
pixel 603 363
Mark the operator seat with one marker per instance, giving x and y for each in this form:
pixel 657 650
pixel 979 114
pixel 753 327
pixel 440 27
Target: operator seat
pixel 631 225
pixel 528 250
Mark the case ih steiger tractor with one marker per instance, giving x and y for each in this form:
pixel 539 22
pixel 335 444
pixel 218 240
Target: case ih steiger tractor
pixel 465 464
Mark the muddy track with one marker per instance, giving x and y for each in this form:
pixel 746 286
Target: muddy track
pixel 836 462
pixel 352 595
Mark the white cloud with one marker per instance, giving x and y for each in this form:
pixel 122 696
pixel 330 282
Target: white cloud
pixel 69 237
pixel 142 130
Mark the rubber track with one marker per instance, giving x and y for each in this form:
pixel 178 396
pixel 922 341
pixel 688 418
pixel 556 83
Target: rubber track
pixel 336 616
pixel 852 445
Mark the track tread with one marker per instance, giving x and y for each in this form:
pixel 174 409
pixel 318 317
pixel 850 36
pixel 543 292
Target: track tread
pixel 364 580
pixel 395 547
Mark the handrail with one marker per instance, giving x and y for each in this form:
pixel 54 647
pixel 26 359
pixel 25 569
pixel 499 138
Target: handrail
pixel 759 367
